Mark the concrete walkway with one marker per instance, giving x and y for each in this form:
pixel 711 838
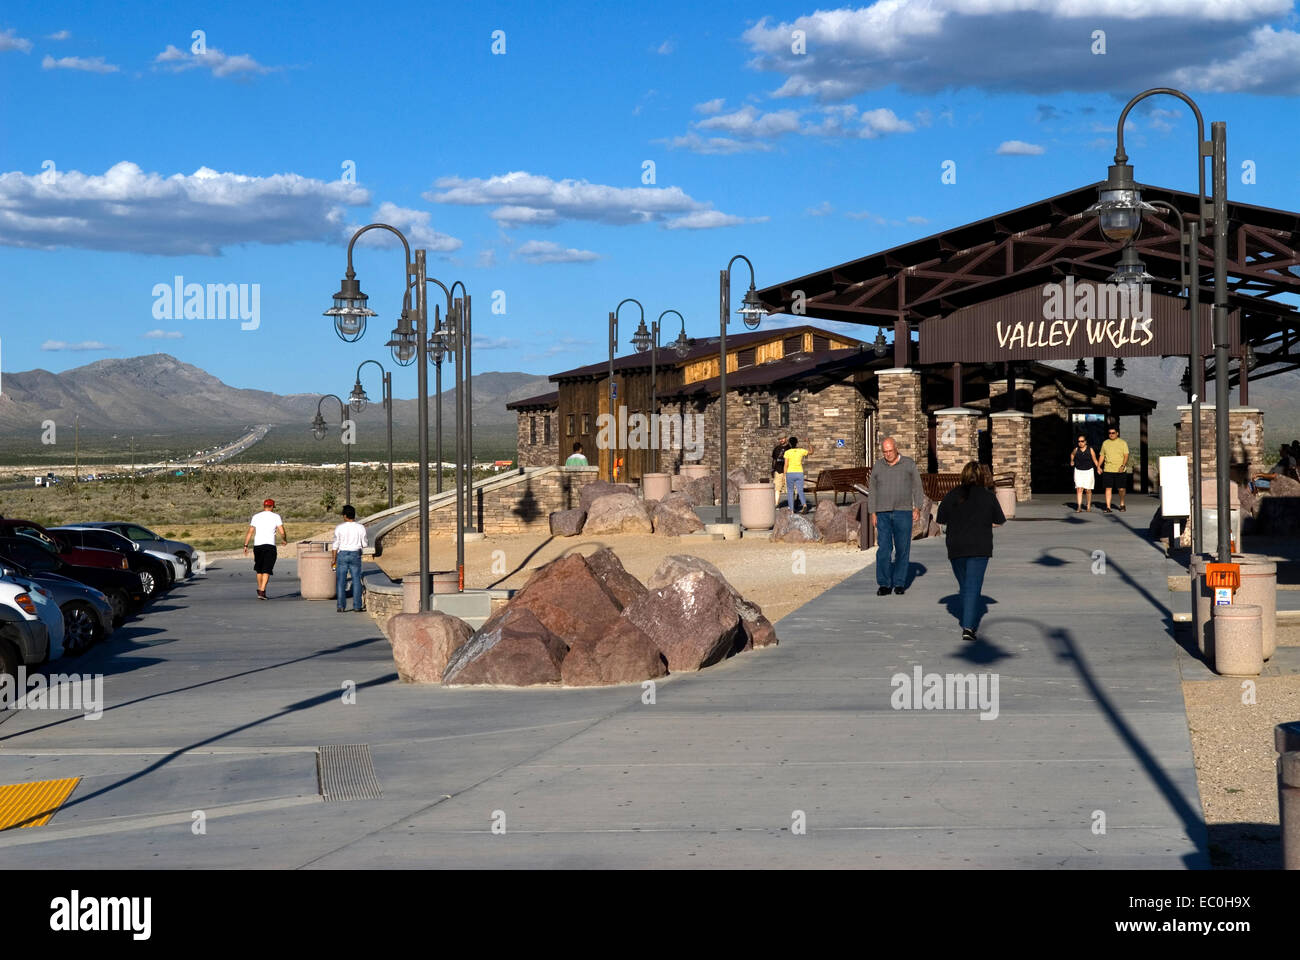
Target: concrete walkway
pixel 217 703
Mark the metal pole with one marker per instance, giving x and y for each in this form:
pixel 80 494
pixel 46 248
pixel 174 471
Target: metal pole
pixel 388 402
pixel 609 389
pixel 438 405
pixel 724 297
pixel 469 415
pixel 458 328
pixel 422 426
pixel 1197 360
pixel 654 395
pixel 1219 174
pixel 347 462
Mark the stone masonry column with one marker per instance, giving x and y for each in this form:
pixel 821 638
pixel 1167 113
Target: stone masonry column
pixel 1245 437
pixel 1022 400
pixel 1010 434
pixel 900 414
pixel 956 438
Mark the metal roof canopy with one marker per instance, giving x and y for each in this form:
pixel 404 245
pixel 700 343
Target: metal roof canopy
pixel 1050 239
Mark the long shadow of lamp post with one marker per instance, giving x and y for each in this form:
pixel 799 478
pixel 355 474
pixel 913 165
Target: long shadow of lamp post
pixel 358 400
pixel 318 431
pixel 1120 208
pixel 752 311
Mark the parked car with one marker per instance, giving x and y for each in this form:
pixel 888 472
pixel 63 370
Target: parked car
pixel 122 587
pixel 87 612
pixel 150 541
pixel 24 638
pixel 78 556
pixel 155 575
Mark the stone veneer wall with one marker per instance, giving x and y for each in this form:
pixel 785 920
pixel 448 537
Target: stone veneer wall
pixel 956 438
pixel 520 507
pixel 1010 436
pixel 1254 455
pixel 900 413
pixel 541 453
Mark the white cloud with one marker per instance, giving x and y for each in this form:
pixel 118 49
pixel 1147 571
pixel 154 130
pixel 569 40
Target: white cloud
pixel 917 220
pixel 126 209
pixel 414 223
pixel 58 35
pixel 83 345
pixel 750 129
pixel 722 146
pixel 1032 46
pixel 221 64
pixel 163 335
pixel 664 48
pixel 494 343
pixel 486 259
pixel 748 121
pixel 9 40
pixel 821 210
pixel 1018 148
pixel 546 251
pixel 88 64
pixel 709 220
pixel 524 199
pixel 710 106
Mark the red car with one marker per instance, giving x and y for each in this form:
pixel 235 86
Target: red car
pixel 77 556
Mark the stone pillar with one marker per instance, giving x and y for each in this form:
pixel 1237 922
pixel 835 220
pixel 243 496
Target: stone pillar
pixel 1010 434
pixel 1245 438
pixel 956 438
pixel 900 414
pixel 1023 399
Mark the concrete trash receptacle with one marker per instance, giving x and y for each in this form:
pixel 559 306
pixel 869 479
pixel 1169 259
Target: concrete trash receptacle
pixel 1259 586
pixel 440 581
pixel 1007 501
pixel 757 506
pixel 315 578
pixel 656 486
pixel 694 471
pixel 1238 647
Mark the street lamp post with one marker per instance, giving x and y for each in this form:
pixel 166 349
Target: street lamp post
pixel 350 312
pixel 644 340
pixel 318 431
pixel 752 311
pixel 613 348
pixel 358 401
pixel 1119 208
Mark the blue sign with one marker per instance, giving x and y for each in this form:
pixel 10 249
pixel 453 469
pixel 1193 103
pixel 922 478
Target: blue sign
pixel 613 389
pixel 839 443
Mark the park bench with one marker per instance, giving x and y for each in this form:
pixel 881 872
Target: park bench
pixel 839 480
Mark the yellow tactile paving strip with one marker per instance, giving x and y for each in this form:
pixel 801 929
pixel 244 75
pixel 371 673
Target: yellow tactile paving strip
pixel 32 804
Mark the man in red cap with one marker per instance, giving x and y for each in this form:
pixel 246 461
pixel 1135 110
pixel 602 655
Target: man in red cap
pixel 262 530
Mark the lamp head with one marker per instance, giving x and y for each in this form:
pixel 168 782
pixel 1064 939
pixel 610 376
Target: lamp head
pixel 402 344
pixel 350 310
pixel 682 345
pixel 1119 368
pixel 641 338
pixel 1130 270
pixel 358 399
pixel 752 310
pixel 1119 205
pixel 318 427
pixel 1080 369
pixel 879 346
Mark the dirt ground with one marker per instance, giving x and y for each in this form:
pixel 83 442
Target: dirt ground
pixel 778 576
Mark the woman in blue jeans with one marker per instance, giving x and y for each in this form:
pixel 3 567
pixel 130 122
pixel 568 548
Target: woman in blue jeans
pixel 970 512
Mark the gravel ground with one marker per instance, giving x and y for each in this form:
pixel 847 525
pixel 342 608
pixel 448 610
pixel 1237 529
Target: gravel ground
pixel 767 573
pixel 1235 764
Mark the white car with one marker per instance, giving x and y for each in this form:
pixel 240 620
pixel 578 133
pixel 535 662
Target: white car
pixel 178 566
pixel 24 636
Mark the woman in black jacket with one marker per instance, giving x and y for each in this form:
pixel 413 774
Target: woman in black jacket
pixel 970 511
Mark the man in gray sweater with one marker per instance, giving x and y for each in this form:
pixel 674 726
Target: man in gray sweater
pixel 896 499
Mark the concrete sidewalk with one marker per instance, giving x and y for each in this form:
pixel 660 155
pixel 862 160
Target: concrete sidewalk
pixel 218 703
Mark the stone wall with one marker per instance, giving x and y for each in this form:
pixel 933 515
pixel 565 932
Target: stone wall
pixel 1245 437
pixel 1023 400
pixel 956 438
pixel 521 507
pixel 541 453
pixel 901 415
pixel 1010 435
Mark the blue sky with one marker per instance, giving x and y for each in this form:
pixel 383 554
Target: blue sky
pixel 128 158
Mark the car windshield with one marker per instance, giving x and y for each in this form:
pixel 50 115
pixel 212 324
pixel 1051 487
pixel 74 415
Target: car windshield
pixel 36 536
pixel 140 533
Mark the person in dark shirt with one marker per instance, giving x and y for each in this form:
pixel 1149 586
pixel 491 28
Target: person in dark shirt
pixel 1086 467
pixel 970 512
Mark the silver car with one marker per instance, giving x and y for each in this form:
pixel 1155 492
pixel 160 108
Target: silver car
pixel 148 540
pixel 87 613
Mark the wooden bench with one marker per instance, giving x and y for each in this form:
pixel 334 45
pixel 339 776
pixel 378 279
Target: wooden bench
pixel 839 480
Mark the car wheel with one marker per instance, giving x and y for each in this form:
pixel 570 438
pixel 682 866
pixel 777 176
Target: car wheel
pixel 121 605
pixel 149 583
pixel 8 659
pixel 189 566
pixel 81 627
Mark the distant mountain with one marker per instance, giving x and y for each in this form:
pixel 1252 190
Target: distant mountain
pixel 160 394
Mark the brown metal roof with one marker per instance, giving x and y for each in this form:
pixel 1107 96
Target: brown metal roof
pixel 551 399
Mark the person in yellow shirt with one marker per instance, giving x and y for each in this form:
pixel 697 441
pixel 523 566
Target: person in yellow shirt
pixel 794 458
pixel 1114 467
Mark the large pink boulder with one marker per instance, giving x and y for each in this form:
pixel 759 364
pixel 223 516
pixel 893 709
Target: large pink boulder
pixel 608 569
pixel 692 621
pixel 758 630
pixel 424 643
pixel 591 492
pixel 567 523
pixel 568 598
pixel 617 513
pixel 515 650
pixel 675 518
pixel 623 655
pixel 831 522
pixel 794 528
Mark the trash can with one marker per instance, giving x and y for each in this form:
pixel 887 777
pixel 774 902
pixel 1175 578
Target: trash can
pixel 316 579
pixel 757 506
pixel 1202 604
pixel 1259 586
pixel 1238 648
pixel 440 581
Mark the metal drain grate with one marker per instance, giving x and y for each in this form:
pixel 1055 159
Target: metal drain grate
pixel 345 772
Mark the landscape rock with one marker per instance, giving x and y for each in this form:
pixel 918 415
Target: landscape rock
pixel 734 479
pixel 757 629
pixel 568 598
pixel 591 492
pixel 693 621
pixel 702 491
pixel 617 513
pixel 1283 487
pixel 794 528
pixel 516 650
pixel 424 643
pixel 921 525
pixel 831 521
pixel 675 518
pixel 621 585
pixel 567 523
pixel 625 654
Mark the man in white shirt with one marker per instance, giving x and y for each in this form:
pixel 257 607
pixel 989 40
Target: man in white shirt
pixel 262 530
pixel 349 541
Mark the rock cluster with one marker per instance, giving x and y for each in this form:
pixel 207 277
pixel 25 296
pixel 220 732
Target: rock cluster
pixel 586 621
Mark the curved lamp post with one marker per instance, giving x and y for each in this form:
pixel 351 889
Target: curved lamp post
pixel 752 311
pixel 358 400
pixel 649 340
pixel 349 305
pixel 1119 208
pixel 318 429
pixel 613 348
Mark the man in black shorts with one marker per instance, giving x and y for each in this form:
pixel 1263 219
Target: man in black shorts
pixel 263 530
